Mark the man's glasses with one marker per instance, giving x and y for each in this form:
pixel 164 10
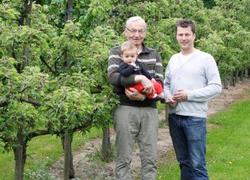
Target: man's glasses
pixel 140 31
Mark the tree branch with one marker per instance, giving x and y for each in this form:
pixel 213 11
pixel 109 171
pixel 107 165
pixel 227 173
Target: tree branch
pixel 3 104
pixel 47 65
pixel 38 133
pixel 69 10
pixel 24 14
pixel 35 103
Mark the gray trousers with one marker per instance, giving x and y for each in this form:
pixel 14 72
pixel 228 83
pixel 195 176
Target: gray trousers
pixel 136 124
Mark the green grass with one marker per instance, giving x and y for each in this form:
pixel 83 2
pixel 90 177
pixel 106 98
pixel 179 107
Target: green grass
pixel 42 152
pixel 228 149
pixel 228 146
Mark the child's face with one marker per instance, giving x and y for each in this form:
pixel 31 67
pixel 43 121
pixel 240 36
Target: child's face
pixel 129 56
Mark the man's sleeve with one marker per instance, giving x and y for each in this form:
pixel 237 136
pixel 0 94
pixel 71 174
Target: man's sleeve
pixel 167 92
pixel 213 87
pixel 158 69
pixel 114 76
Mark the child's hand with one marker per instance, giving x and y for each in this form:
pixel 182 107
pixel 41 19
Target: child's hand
pixel 132 64
pixel 171 102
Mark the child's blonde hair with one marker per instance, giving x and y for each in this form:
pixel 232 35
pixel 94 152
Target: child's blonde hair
pixel 127 46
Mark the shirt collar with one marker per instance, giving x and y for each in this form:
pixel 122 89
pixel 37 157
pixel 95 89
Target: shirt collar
pixel 145 49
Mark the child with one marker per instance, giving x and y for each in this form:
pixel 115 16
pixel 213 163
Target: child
pixel 131 66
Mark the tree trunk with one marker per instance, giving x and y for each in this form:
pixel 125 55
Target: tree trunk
pixel 69 171
pixel 20 156
pixel 68 137
pixel 66 155
pixel 226 83
pixel 69 10
pixel 246 73
pixel 237 76
pixel 24 19
pixel 106 145
pixel 241 75
pixel 232 80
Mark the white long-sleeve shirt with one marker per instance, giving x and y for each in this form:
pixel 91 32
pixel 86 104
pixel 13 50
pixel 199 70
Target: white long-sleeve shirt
pixel 199 76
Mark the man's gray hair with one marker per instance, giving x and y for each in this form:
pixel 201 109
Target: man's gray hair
pixel 134 19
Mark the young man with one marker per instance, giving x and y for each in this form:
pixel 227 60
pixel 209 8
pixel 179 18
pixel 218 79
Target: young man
pixel 136 117
pixel 191 80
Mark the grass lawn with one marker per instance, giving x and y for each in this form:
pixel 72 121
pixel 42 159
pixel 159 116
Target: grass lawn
pixel 228 146
pixel 42 152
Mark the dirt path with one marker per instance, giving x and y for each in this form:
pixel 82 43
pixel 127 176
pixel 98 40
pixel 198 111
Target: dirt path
pixel 88 167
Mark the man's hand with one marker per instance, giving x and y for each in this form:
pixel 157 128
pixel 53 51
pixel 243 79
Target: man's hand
pixel 134 95
pixel 180 95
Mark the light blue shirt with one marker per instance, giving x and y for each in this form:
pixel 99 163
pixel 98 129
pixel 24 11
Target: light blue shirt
pixel 199 76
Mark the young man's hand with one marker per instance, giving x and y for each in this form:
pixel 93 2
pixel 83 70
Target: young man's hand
pixel 180 95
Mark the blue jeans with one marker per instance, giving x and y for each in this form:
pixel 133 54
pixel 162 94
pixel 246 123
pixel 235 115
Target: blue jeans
pixel 188 134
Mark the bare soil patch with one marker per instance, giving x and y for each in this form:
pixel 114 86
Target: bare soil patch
pixel 88 166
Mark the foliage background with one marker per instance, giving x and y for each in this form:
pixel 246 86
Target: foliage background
pixel 53 73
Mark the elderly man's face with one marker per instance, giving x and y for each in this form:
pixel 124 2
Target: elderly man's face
pixel 135 32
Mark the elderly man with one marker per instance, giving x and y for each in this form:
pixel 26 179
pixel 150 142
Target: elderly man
pixel 136 117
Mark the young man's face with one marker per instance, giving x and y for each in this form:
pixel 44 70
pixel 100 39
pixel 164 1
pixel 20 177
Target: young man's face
pixel 129 56
pixel 135 32
pixel 185 37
